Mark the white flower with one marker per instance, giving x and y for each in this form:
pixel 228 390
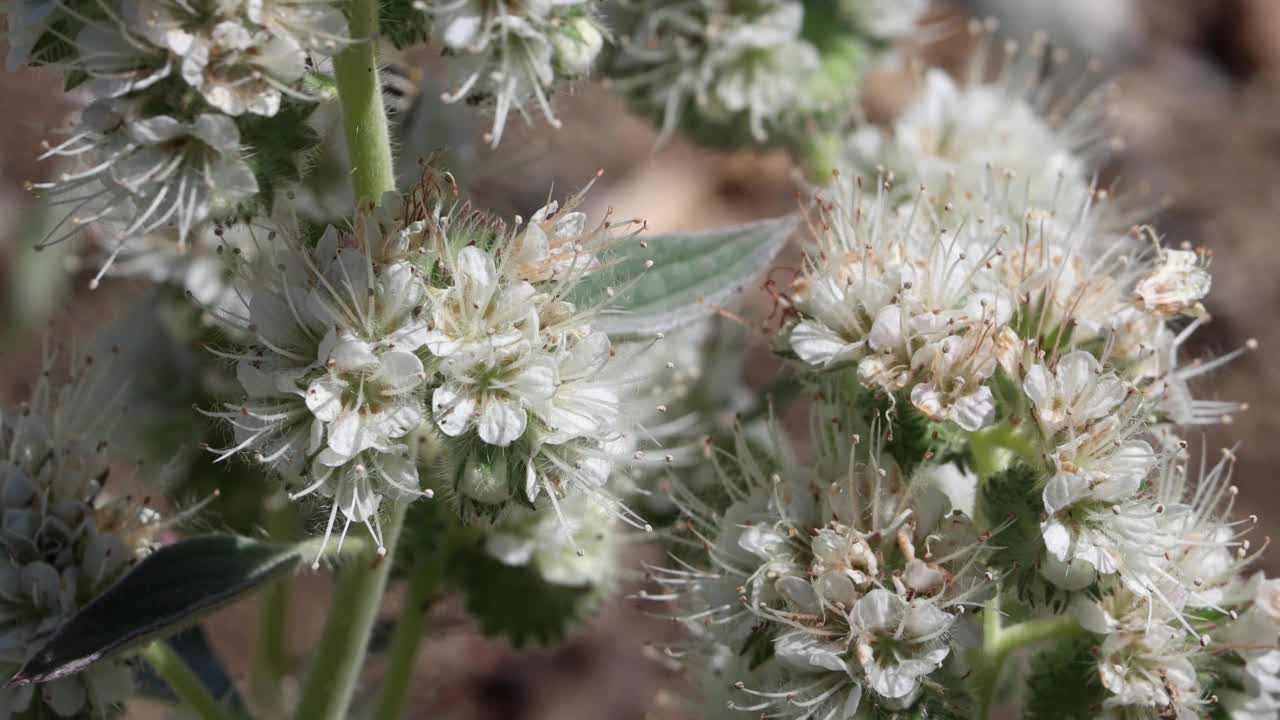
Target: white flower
pixel 956 370
pixel 1149 669
pixel 367 399
pixel 1177 285
pixel 575 547
pixel 480 314
pixel 334 384
pixel 556 244
pixel 725 62
pixel 761 68
pixel 240 71
pixel 494 399
pixel 144 173
pixel 243 57
pixel 898 642
pixel 1075 393
pixel 318 27
pixel 855 582
pixel 511 52
pixel 958 139
pixel 885 19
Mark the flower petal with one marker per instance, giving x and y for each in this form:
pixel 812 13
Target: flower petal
pixel 502 420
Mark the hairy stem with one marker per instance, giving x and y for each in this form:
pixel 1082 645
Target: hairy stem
pixel 408 635
pixel 174 670
pixel 345 643
pixel 270 653
pixel 999 642
pixel 364 118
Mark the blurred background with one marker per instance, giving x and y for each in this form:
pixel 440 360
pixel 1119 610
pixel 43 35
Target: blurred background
pixel 1199 115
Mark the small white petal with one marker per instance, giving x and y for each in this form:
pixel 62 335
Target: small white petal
pixel 501 421
pixel 453 411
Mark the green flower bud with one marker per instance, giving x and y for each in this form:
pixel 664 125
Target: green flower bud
pixel 577 46
pixel 486 480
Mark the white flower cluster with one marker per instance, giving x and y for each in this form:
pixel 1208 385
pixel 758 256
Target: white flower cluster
pixel 1202 638
pixel 443 320
pixel 993 298
pixel 726 63
pixel 842 587
pixel 63 543
pixel 332 376
pixel 511 52
pixel 160 143
pixel 749 64
pixel 929 292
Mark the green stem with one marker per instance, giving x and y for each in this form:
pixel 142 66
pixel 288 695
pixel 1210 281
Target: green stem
pixel 271 656
pixel 364 118
pixel 271 653
pixel 408 635
pixel 345 642
pixel 994 449
pixel 999 642
pixel 184 683
pixel 819 155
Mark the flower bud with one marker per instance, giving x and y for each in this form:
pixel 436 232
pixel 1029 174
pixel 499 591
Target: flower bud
pixel 486 481
pixel 577 46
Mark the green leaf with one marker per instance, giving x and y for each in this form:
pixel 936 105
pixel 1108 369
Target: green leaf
pixel 1010 503
pixel 1064 681
pixel 279 148
pixel 166 592
pixel 402 23
pixel 515 602
pixel 692 275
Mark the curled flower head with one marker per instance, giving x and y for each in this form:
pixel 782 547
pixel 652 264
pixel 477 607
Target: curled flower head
pixel 428 321
pixel 241 57
pixel 854 578
pixel 511 52
pixel 909 304
pixel 334 385
pixel 148 172
pixel 1022 133
pixel 523 372
pixel 723 63
pixel 751 72
pixel 64 542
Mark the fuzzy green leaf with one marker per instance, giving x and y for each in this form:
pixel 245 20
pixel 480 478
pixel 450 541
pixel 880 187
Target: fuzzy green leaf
pixel 692 275
pixel 910 437
pixel 166 592
pixel 1064 682
pixel 278 149
pixel 402 23
pixel 1010 503
pixel 515 602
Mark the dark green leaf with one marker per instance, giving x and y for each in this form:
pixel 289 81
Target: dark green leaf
pixel 402 23
pixel 515 602
pixel 279 148
pixel 692 275
pixel 166 592
pixel 1064 682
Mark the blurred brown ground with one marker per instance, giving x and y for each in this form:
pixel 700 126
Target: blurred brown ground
pixel 1200 115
